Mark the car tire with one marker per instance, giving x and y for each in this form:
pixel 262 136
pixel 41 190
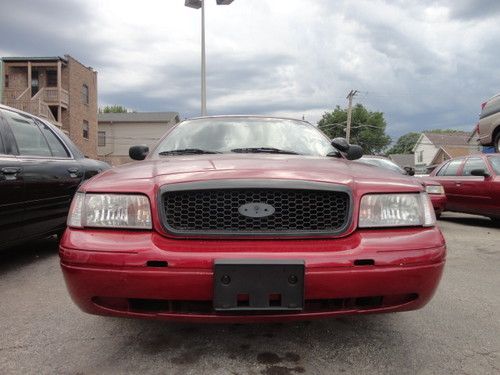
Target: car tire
pixel 497 142
pixel 60 234
pixel 495 220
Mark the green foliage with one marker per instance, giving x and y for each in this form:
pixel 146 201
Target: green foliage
pixel 113 109
pixel 404 144
pixel 367 127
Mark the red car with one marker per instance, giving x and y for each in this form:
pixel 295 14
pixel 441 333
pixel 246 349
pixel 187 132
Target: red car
pixel 250 219
pixel 472 184
pixel 433 188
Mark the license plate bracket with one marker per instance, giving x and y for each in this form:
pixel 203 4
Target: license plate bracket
pixel 258 285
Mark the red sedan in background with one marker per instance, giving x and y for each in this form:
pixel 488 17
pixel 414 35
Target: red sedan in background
pixel 472 184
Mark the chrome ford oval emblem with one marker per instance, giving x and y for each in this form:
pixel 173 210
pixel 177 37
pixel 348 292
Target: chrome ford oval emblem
pixel 256 209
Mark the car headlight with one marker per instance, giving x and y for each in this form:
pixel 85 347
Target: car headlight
pixel 396 210
pixel 434 189
pixel 110 211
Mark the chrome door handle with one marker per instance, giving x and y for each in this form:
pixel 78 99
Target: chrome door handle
pixel 11 170
pixel 10 173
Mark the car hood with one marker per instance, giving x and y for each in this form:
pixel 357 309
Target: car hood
pixel 178 169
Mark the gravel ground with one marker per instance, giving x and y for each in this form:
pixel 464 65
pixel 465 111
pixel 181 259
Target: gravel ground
pixel 42 332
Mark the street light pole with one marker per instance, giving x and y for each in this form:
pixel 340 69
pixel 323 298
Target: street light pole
pixel 203 63
pixel 197 4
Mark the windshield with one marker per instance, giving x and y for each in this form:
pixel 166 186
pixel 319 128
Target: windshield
pixel 246 135
pixel 384 163
pixel 495 163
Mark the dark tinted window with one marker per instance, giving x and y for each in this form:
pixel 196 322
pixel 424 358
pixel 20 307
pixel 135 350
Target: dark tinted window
pixel 55 144
pixel 52 78
pixel 85 94
pixel 29 138
pixel 474 163
pixel 85 132
pixel 451 168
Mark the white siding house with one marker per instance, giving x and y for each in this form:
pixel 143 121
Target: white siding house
pixel 429 144
pixel 424 151
pixel 117 132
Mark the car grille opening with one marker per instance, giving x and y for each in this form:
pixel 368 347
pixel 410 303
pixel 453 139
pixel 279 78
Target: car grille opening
pixel 217 211
pixel 155 306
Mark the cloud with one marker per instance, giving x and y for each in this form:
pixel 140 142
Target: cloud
pixel 474 10
pixel 425 64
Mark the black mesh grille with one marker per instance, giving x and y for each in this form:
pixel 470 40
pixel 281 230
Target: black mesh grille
pixel 216 211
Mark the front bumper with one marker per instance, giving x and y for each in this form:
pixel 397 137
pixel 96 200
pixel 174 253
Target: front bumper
pixel 145 275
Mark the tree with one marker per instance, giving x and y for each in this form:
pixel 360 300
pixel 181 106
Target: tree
pixel 404 144
pixel 113 109
pixel 367 127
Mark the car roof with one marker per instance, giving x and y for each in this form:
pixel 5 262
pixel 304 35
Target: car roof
pixel 248 116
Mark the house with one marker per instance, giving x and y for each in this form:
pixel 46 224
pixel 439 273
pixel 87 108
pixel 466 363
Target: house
pixel 433 148
pixel 59 89
pixel 119 131
pixel 403 160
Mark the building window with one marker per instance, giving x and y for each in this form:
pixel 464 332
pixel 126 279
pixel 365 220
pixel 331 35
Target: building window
pixel 85 129
pixel 420 156
pixel 101 139
pixel 6 81
pixel 85 94
pixel 51 78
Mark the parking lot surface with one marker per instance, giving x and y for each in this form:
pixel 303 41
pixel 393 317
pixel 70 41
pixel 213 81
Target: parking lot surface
pixel 42 332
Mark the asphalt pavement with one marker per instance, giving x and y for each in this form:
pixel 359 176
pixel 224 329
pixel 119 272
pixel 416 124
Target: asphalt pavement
pixel 458 332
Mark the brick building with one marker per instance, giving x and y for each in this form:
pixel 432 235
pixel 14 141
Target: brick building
pixel 60 89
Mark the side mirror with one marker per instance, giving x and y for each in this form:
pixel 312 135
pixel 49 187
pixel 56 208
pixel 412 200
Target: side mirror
pixel 138 152
pixel 354 152
pixel 479 172
pixel 410 171
pixel 340 144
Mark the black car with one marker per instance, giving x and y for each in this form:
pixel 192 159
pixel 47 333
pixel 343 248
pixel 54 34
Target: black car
pixel 40 170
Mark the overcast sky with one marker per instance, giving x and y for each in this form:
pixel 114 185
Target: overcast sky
pixel 425 64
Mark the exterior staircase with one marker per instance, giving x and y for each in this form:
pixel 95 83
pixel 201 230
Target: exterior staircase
pixel 36 105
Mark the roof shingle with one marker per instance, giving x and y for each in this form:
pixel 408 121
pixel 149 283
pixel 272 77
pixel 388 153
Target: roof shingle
pixel 138 117
pixel 448 139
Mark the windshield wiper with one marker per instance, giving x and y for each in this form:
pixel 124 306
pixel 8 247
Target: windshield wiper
pixel 267 150
pixel 188 151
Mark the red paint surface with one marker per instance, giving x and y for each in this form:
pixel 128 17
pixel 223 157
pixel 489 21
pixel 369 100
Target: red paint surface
pixel 112 263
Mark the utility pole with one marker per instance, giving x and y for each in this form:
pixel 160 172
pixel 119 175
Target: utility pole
pixel 349 114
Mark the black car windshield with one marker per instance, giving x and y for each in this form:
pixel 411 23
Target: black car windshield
pixel 495 163
pixel 246 135
pixel 383 163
